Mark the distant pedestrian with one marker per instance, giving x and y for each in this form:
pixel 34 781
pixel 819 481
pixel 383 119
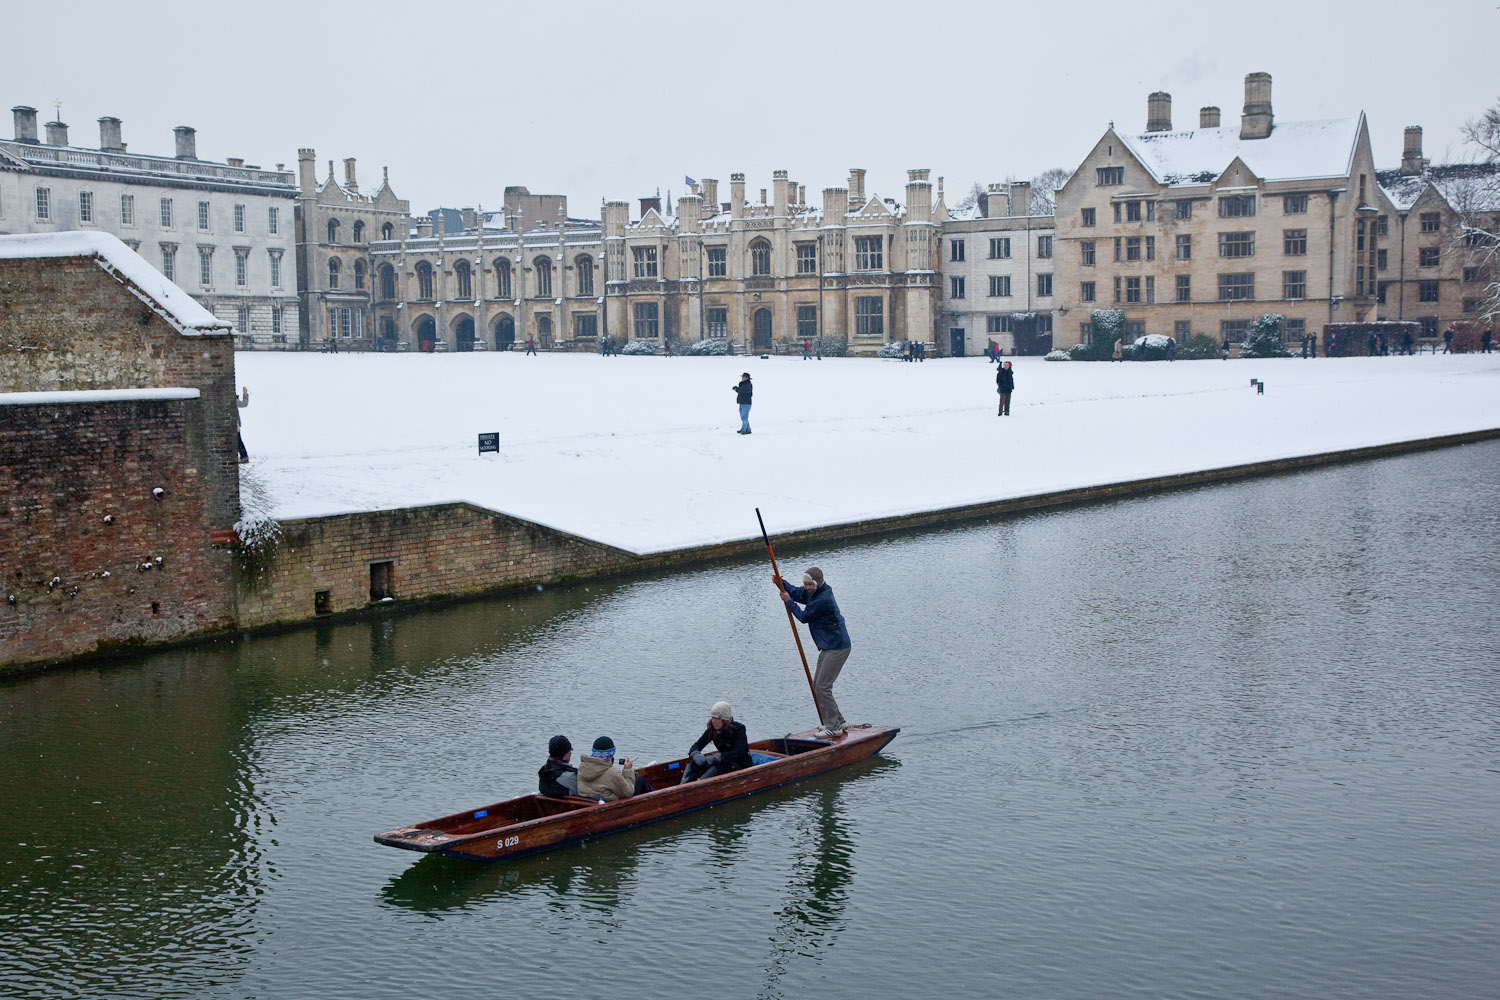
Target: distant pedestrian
pixel 1119 354
pixel 1005 384
pixel 333 346
pixel 906 351
pixel 1372 345
pixel 531 345
pixel 1224 350
pixel 1486 340
pixel 1385 345
pixel 666 346
pixel 1406 342
pixel 239 404
pixel 1171 348
pixel 1448 341
pixel 743 390
pixel 1304 347
pixel 603 346
pixel 1331 345
pixel 820 348
pixel 806 356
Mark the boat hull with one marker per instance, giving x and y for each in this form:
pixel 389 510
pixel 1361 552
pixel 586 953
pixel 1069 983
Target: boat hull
pixel 533 824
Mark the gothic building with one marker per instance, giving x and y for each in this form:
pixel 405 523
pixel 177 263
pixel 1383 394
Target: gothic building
pixel 335 226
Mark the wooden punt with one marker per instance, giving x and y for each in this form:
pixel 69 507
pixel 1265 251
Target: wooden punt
pixel 534 823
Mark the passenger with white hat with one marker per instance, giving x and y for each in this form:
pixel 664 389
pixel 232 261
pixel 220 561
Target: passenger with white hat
pixel 728 737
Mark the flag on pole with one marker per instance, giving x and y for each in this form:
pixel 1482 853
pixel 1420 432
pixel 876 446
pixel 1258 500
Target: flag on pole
pixel 688 180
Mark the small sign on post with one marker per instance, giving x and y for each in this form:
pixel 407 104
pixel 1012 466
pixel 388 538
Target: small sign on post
pixel 489 442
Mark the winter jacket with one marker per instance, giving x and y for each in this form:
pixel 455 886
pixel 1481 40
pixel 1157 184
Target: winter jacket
pixel 743 391
pixel 557 778
pixel 732 743
pixel 599 779
pixel 822 616
pixel 1005 378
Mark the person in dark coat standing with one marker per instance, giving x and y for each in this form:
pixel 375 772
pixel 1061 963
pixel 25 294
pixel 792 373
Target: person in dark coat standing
pixel 1448 341
pixel 1005 384
pixel 743 390
pixel 239 404
pixel 1486 340
pixel 825 622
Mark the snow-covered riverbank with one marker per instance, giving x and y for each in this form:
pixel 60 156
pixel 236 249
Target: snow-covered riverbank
pixel 640 452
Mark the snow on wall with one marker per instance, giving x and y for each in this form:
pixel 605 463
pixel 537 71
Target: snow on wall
pixel 128 267
pixel 92 396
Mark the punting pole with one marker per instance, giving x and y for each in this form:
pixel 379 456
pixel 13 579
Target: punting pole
pixel 790 620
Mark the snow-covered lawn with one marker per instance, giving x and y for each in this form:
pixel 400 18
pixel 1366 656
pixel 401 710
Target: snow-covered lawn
pixel 641 452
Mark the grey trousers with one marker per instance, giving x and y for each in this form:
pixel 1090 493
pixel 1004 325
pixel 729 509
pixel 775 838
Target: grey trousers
pixel 830 662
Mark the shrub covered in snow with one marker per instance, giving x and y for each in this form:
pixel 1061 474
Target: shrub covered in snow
pixel 895 349
pixel 1198 347
pixel 1058 354
pixel 1079 352
pixel 834 349
pixel 708 348
pixel 1107 326
pixel 1264 338
pixel 1151 347
pixel 639 347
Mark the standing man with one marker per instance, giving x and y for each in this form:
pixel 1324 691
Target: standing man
pixel 531 346
pixel 1005 384
pixel 743 390
pixel 240 404
pixel 1486 340
pixel 820 612
pixel 1448 341
pixel 806 354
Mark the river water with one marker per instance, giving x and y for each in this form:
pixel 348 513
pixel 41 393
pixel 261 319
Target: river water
pixel 1239 741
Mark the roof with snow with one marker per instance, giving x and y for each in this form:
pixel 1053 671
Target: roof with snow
pixel 1466 187
pixel 1293 150
pixel 127 267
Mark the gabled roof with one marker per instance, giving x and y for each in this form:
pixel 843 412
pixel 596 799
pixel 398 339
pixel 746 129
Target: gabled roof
pixel 1466 187
pixel 1293 151
pixel 125 266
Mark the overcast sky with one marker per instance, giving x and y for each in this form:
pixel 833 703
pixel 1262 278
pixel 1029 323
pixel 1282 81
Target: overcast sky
pixel 615 100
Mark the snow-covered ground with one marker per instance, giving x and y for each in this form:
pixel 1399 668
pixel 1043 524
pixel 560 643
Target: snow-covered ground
pixel 641 452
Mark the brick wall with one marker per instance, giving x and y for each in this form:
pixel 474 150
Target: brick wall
pixel 444 550
pixel 81 531
pixel 70 325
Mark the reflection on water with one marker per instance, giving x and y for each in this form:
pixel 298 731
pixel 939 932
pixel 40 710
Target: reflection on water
pixel 1236 741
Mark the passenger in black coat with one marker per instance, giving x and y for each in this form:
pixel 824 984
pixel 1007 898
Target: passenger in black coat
pixel 728 737
pixel 1005 384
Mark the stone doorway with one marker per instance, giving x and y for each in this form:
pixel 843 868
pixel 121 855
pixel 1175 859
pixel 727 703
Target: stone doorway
pixel 761 324
pixel 505 333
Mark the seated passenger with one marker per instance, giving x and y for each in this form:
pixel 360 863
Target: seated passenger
pixel 726 735
pixel 598 779
pixel 557 777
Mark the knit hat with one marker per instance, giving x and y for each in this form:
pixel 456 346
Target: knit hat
pixel 604 747
pixel 557 746
pixel 721 710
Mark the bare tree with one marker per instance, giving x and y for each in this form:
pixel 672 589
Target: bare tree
pixel 971 199
pixel 1043 189
pixel 1475 196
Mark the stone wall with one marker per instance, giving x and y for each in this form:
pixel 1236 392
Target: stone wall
pixel 323 566
pixel 93 558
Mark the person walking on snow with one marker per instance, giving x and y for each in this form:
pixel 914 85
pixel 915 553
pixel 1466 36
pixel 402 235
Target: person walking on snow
pixel 743 390
pixel 531 346
pixel 1448 341
pixel 1005 384
pixel 820 612
pixel 239 404
pixel 805 355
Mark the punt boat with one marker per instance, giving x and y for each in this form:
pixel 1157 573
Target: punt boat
pixel 534 823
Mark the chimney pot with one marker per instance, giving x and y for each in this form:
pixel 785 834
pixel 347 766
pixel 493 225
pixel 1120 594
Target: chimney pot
pixel 350 181
pixel 1257 120
pixel 1159 112
pixel 109 135
pixel 187 142
pixel 1412 162
pixel 25 119
pixel 1208 117
pixel 57 134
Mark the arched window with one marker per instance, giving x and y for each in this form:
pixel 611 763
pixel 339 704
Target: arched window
pixel 359 231
pixel 424 281
pixel 387 282
pixel 387 231
pixel 465 281
pixel 359 274
pixel 543 268
pixel 760 257
pixel 502 278
pixel 583 267
pixel 333 272
pixel 333 230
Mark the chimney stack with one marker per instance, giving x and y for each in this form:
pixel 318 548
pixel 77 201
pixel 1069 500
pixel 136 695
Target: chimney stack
pixel 1159 112
pixel 856 187
pixel 737 195
pixel 57 134
pixel 350 183
pixel 187 142
pixel 1208 117
pixel 780 185
pixel 109 136
pixel 1020 198
pixel 1257 120
pixel 307 177
pixel 424 227
pixel 711 193
pixel 470 217
pixel 1411 152
pixel 25 119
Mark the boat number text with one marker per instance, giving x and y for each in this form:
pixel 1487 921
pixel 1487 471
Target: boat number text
pixel 507 842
